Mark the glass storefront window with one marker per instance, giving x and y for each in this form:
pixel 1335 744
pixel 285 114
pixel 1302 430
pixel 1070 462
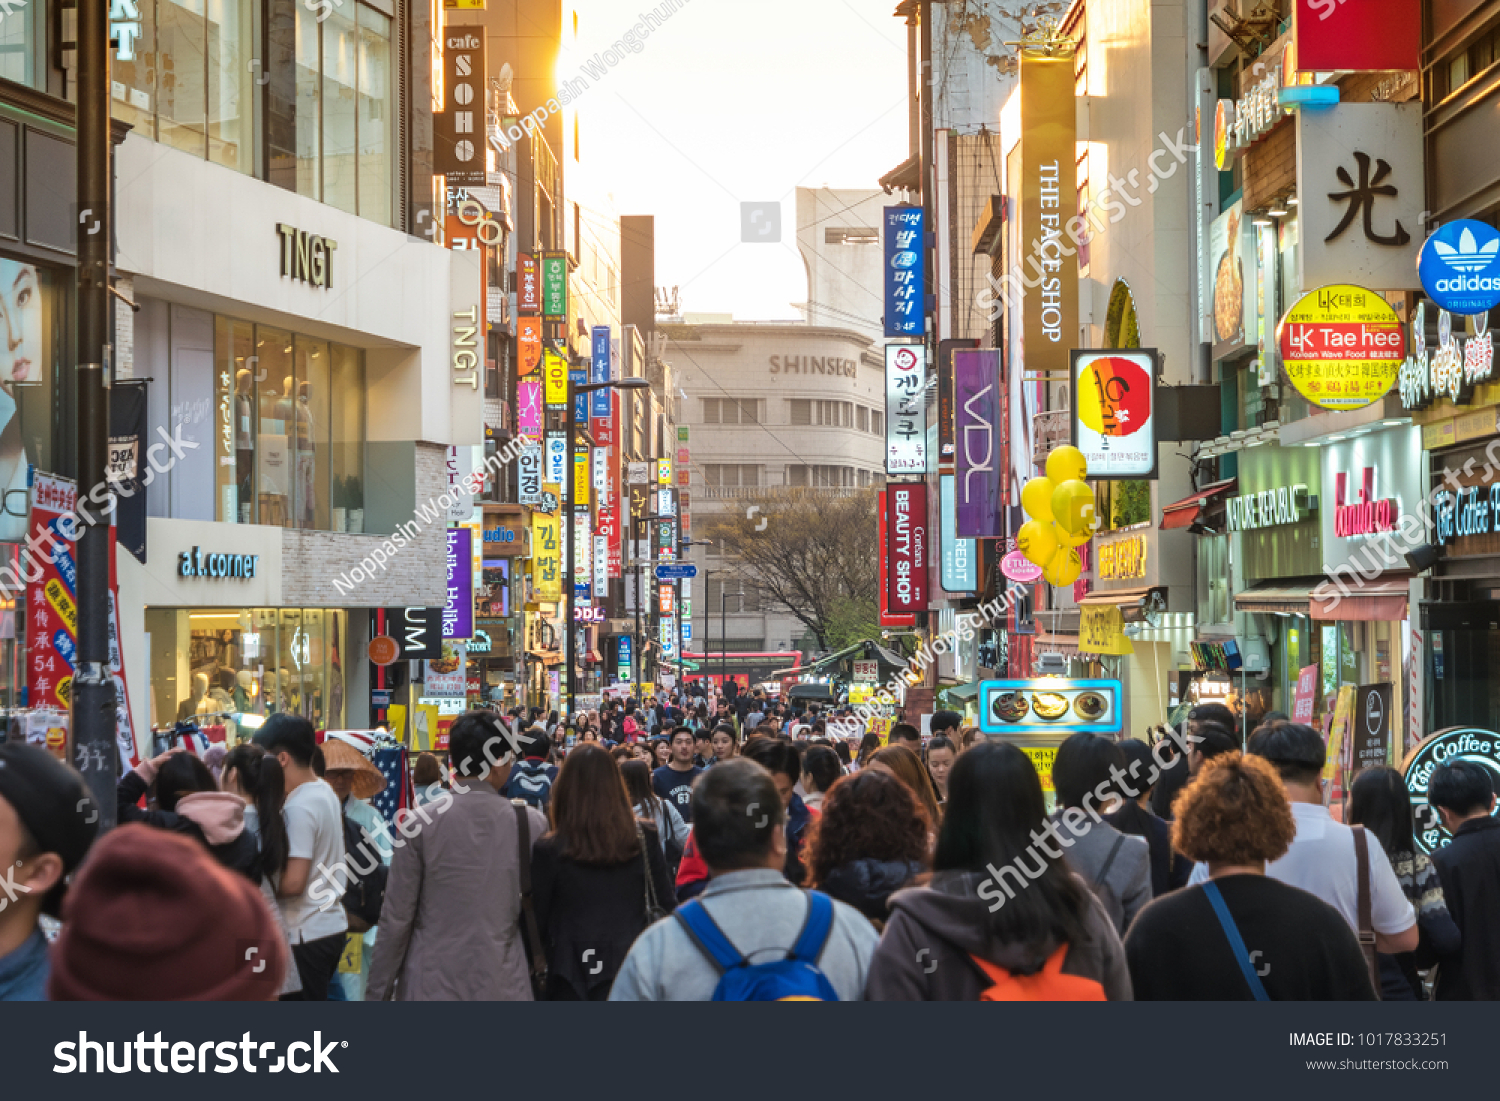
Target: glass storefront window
pixel 1213 579
pixel 340 108
pixel 374 115
pixel 289 429
pixel 18 43
pixel 237 666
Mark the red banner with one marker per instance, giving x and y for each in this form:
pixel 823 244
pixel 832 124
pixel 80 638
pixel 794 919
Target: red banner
pixel 1371 35
pixel 887 618
pixel 907 546
pixel 51 605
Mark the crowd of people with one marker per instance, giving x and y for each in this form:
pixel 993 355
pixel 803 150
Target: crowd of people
pixel 745 848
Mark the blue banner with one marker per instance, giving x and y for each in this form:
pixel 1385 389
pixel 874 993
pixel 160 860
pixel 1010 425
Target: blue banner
pixel 905 271
pixel 960 573
pixel 599 372
pixel 580 401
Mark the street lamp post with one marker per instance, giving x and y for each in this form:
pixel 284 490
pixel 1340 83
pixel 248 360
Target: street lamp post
pixel 638 659
pixel 569 594
pixel 682 546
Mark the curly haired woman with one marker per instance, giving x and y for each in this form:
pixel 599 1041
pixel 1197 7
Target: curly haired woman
pixel 1242 934
pixel 869 842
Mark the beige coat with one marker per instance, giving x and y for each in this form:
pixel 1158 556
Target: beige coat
pixel 451 928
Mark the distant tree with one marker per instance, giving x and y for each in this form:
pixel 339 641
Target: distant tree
pixel 812 554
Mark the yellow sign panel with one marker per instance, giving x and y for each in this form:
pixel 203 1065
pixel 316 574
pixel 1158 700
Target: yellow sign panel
pixel 1042 759
pixel 1342 346
pixel 1101 630
pixel 582 476
pixel 555 370
pixel 1049 201
pixel 464 5
pixel 663 472
pixel 546 557
pixel 1123 559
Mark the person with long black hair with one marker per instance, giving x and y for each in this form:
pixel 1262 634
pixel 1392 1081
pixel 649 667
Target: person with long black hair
pixel 998 902
pixel 189 802
pixel 1380 802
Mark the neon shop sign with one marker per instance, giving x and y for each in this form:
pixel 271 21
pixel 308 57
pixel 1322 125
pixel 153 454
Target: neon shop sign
pixel 1449 371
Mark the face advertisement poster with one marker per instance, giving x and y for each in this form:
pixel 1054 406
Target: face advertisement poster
pixel 1114 411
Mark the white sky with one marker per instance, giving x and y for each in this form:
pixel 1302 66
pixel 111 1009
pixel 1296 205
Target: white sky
pixel 731 101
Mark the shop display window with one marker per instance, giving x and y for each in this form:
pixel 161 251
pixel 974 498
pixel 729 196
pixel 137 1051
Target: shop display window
pixel 237 667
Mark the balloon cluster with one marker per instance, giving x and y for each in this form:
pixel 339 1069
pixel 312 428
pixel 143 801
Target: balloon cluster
pixel 1062 510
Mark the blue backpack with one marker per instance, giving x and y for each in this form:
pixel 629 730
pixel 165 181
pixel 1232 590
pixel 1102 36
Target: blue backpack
pixel 793 979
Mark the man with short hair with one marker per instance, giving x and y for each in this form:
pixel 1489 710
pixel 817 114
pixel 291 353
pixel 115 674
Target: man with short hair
pixel 47 822
pixel 783 761
pixel 309 890
pixel 1115 865
pixel 673 781
pixel 532 777
pixel 1463 795
pixel 703 747
pixel 737 821
pixel 907 735
pixel 451 928
pixel 1322 860
pixel 1207 740
pixel 948 723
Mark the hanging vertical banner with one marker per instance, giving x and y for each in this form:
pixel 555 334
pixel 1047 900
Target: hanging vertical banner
pixel 905 409
pixel 555 372
pixel 580 401
pixel 1049 196
pixel 583 570
pixel 124 727
pixel 528 286
pixel 945 411
pixel 601 567
pixel 555 469
pixel 529 474
pixel 528 345
pixel 555 285
pixel 960 556
pixel 52 599
pixel 978 485
pixel 599 371
pixel 546 558
pixel 907 546
pixel 887 617
pixel 624 648
pixel 458 611
pixel 458 141
pixel 529 409
pixel 905 271
pixel 581 478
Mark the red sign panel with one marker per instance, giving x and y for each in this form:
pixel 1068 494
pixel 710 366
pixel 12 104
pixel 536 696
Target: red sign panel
pixel 907 547
pixel 528 285
pixel 887 618
pixel 1367 35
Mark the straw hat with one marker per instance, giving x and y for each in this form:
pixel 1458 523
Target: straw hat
pixel 339 754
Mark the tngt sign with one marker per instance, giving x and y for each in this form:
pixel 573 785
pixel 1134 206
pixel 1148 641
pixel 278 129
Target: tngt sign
pixel 906 547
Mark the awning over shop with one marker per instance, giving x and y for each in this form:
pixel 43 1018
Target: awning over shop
pixel 1382 599
pixel 1133 603
pixel 1060 644
pixel 960 691
pixel 1289 595
pixel 547 657
pixel 1186 512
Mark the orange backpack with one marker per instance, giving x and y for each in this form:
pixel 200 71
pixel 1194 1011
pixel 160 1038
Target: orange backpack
pixel 1047 985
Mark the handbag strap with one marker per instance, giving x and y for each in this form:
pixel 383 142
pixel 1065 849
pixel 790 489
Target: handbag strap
pixel 1109 861
pixel 651 904
pixel 1366 925
pixel 528 908
pixel 1236 942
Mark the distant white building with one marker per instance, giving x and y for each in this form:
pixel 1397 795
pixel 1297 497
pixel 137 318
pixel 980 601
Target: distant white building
pixel 838 235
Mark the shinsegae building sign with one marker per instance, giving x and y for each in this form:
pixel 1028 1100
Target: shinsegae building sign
pixel 306 257
pixel 1450 370
pixel 1271 508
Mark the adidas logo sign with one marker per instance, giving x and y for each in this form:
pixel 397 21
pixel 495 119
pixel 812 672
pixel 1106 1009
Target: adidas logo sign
pixel 1468 257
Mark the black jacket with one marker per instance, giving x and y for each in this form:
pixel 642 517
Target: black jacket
pixel 867 885
pixel 591 914
pixel 1470 870
pixel 240 854
pixel 1169 870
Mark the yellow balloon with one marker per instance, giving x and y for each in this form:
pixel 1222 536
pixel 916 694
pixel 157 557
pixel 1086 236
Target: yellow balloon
pixel 1036 499
pixel 1067 464
pixel 1037 541
pixel 1063 569
pixel 1073 506
pixel 1075 540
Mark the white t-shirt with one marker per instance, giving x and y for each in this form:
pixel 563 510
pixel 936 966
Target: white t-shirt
pixel 1322 862
pixel 315 831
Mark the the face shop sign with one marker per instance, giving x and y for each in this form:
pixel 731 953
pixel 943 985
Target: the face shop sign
pixel 1271 508
pixel 220 567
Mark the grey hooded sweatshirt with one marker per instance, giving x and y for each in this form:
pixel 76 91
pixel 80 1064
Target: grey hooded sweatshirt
pixel 933 931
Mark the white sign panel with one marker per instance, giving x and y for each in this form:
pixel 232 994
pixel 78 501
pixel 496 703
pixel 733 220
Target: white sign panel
pixel 529 472
pixel 601 469
pixel 637 474
pixel 1360 181
pixel 905 409
pixel 557 460
pixel 601 567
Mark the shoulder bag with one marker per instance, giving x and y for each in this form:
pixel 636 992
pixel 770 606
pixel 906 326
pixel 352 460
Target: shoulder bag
pixel 534 949
pixel 654 909
pixel 1366 928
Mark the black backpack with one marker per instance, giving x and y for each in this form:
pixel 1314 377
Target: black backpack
pixel 365 894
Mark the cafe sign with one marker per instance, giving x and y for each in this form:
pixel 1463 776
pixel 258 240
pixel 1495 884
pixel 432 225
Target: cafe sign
pixel 1481 747
pixel 1342 346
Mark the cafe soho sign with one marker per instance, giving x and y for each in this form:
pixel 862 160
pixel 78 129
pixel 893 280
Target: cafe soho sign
pixel 1460 743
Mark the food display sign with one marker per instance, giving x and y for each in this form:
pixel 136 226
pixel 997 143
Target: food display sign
pixel 1342 346
pixel 1459 743
pixel 1051 705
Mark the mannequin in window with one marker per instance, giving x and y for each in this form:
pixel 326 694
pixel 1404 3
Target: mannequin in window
pixel 198 701
pixel 270 694
pixel 306 458
pixel 244 697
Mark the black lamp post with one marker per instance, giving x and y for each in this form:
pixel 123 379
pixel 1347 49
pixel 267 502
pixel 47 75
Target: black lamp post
pixel 569 593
